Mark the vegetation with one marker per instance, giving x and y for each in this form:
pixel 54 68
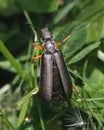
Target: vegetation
pixel 21 107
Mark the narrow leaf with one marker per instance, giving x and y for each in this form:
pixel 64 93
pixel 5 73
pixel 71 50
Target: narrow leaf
pixel 64 11
pixel 25 98
pixel 10 126
pixel 5 52
pixel 84 52
pixel 23 113
pixel 39 6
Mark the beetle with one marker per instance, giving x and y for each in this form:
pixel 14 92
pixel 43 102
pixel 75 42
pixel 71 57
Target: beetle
pixel 55 80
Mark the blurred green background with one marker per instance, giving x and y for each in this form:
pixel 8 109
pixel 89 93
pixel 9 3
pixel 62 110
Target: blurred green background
pixel 20 23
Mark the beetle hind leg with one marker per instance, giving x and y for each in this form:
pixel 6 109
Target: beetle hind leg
pixel 64 40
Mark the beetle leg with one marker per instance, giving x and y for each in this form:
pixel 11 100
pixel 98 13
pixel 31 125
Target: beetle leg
pixel 36 58
pixel 77 92
pixel 38 47
pixel 58 44
pixel 65 39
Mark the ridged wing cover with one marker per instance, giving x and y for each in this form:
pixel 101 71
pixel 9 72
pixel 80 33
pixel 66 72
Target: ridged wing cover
pixel 46 76
pixel 64 75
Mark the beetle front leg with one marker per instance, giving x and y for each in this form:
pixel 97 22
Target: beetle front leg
pixel 38 47
pixel 77 92
pixel 36 58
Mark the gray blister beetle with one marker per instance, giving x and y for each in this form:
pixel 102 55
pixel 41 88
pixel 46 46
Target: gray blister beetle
pixel 55 80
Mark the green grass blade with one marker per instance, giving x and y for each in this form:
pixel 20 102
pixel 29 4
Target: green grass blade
pixel 64 11
pixel 84 52
pixel 7 122
pixel 25 98
pixel 23 113
pixel 5 52
pixel 30 22
pixel 40 115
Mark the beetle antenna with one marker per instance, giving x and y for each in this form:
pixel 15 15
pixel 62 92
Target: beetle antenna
pixel 49 24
